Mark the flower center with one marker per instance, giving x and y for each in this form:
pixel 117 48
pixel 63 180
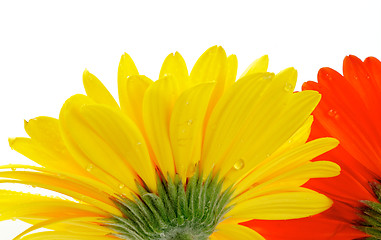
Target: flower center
pixel 371 214
pixel 181 211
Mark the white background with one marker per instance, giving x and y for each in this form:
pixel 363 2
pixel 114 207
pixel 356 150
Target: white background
pixel 46 45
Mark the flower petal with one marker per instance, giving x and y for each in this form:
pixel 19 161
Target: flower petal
pixel 174 65
pixel 97 91
pixel 131 91
pixel 228 231
pixel 259 65
pixel 158 103
pixel 285 205
pixel 75 132
pixel 124 139
pixel 186 127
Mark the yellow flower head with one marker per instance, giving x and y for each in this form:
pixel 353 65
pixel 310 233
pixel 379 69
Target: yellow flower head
pixel 189 156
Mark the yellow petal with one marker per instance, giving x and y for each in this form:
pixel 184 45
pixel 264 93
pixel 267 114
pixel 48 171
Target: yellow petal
pixel 229 231
pixel 14 205
pixel 106 192
pixel 211 66
pixel 126 67
pixel 232 65
pixel 259 65
pixel 93 140
pixel 58 235
pixel 124 139
pixel 83 225
pixel 67 186
pixel 186 127
pixel 71 122
pixel 299 137
pixel 280 206
pixel 274 131
pixel 131 94
pixel 43 224
pixel 291 179
pixel 174 65
pixel 229 115
pixel 271 168
pixel 97 91
pixel 46 146
pixel 158 103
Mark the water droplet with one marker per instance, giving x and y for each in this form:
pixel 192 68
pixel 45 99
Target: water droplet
pixel 187 103
pixel 182 141
pixel 138 143
pixel 121 186
pixel 267 77
pixel 13 169
pixel 239 164
pixel 90 167
pixel 288 87
pixel 268 155
pixel 190 122
pixel 333 114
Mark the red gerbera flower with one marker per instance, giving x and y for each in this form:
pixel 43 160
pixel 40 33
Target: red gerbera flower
pixel 350 110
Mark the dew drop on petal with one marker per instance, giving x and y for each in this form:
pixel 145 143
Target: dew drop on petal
pixel 121 186
pixel 333 114
pixel 189 122
pixel 13 169
pixel 239 164
pixel 267 77
pixel 288 87
pixel 138 144
pixel 89 167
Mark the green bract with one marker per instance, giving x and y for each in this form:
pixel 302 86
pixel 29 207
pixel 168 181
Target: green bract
pixel 179 211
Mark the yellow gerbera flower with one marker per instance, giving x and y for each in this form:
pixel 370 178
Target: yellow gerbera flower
pixel 185 157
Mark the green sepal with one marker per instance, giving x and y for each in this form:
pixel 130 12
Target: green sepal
pixel 177 211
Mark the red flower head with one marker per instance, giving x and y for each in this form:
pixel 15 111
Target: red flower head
pixel 350 110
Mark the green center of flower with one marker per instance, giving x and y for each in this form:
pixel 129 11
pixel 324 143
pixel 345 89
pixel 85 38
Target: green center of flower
pixel 371 214
pixel 181 211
